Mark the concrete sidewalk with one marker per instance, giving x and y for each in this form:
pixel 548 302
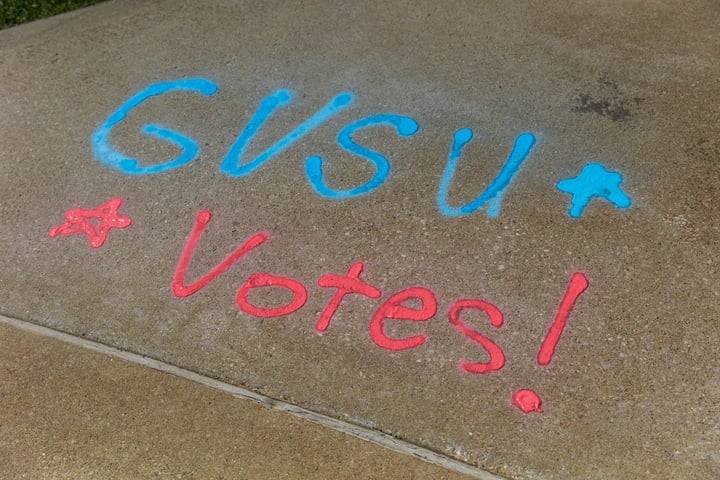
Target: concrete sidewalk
pixel 311 137
pixel 69 413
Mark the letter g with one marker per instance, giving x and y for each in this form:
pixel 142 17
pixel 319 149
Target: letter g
pixel 107 155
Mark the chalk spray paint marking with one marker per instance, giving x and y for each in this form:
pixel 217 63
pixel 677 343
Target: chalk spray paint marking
pixel 344 286
pixel 404 126
pixel 394 309
pixel 202 219
pixel 231 166
pixel 496 354
pixel 106 154
pixel 527 400
pixel 94 223
pixel 493 194
pixel 259 280
pixel 594 181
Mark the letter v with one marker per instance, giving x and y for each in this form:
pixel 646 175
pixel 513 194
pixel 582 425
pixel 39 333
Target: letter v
pixel 230 165
pixel 202 219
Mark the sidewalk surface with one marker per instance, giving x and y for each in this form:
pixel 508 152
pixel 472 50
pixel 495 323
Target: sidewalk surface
pixel 596 141
pixel 69 413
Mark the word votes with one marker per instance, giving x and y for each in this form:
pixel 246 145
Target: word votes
pixel 97 223
pixel 235 165
pixel 394 308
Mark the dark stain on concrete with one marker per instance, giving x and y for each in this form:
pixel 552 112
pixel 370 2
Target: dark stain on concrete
pixel 609 101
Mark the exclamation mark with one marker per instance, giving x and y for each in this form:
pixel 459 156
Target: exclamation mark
pixel 527 400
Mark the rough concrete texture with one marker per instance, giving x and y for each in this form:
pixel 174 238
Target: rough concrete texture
pixel 69 413
pixel 634 388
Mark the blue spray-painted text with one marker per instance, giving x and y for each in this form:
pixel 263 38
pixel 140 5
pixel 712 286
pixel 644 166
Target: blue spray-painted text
pixel 593 182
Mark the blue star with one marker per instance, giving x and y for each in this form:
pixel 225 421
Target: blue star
pixel 594 181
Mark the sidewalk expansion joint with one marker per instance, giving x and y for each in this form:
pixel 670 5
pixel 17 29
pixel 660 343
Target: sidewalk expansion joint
pixel 364 433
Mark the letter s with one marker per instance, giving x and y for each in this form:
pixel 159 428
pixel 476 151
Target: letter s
pixel 404 126
pixel 107 155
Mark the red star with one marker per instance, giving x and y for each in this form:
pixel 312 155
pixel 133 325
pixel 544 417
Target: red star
pixel 94 223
